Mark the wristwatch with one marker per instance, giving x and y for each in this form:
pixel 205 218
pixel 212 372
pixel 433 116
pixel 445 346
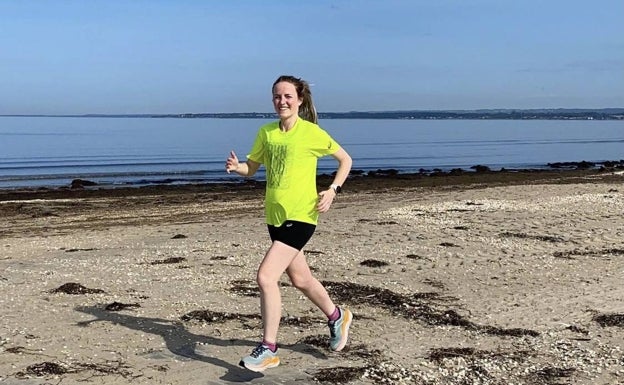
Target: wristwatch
pixel 336 187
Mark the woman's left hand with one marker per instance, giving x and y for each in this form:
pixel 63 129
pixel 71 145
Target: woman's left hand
pixel 325 200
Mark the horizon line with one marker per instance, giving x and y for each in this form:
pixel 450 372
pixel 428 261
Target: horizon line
pixel 480 110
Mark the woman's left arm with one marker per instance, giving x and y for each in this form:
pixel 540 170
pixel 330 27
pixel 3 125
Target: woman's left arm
pixel 344 167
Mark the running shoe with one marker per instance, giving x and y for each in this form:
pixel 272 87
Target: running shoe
pixel 339 330
pixel 261 358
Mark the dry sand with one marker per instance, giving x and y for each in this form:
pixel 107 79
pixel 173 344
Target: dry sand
pixel 478 282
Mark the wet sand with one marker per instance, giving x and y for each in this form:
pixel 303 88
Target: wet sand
pixel 481 278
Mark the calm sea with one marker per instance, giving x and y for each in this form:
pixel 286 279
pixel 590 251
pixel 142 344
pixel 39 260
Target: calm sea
pixel 52 151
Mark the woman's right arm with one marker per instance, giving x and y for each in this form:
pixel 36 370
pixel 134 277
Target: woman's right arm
pixel 247 168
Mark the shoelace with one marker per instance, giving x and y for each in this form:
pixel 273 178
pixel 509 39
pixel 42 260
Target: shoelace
pixel 258 350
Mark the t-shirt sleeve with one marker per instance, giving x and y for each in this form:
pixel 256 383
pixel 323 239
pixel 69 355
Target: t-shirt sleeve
pixel 258 149
pixel 323 144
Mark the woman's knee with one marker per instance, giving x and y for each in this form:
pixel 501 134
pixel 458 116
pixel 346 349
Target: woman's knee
pixel 266 280
pixel 302 282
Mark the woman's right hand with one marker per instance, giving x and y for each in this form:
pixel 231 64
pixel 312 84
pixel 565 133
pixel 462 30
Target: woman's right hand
pixel 231 164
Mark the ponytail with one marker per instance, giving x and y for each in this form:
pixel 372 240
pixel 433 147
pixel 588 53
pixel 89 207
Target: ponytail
pixel 307 110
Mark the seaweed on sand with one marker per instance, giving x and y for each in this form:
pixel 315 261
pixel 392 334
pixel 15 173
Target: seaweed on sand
pixel 440 354
pixel 117 306
pixel 379 223
pixel 245 288
pixel 616 319
pixel 47 368
pixel 549 376
pixel 418 306
pixel 169 260
pixel 339 374
pixel 544 238
pixel 589 253
pixel 209 316
pixel 435 283
pixel 373 263
pixel 248 288
pixel 297 321
pixel 75 288
pixel 217 317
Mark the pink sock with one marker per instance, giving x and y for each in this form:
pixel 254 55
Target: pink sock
pixel 335 315
pixel 270 345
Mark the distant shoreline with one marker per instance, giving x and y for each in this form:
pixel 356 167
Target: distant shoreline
pixel 392 175
pixel 379 180
pixel 485 114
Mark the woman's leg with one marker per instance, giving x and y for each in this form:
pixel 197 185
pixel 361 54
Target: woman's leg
pixel 339 320
pixel 275 262
pixel 301 277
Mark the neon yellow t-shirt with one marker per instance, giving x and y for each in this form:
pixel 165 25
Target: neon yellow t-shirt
pixel 290 160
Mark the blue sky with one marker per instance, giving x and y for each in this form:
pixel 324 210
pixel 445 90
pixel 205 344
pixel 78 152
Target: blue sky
pixel 179 56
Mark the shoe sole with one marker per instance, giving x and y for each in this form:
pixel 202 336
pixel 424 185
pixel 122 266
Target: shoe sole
pixel 345 330
pixel 273 362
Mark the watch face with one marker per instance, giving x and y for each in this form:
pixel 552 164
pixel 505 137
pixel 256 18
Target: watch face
pixel 338 189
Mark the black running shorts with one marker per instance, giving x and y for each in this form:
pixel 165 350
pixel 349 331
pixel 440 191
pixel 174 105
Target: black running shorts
pixel 293 233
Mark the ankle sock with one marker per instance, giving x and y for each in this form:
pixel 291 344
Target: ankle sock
pixel 270 345
pixel 335 315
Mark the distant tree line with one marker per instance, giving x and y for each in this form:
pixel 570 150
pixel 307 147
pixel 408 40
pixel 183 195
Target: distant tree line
pixel 537 114
pixel 559 114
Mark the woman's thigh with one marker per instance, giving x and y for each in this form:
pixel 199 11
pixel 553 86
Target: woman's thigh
pixel 277 259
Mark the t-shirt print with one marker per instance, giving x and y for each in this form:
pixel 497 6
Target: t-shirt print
pixel 278 155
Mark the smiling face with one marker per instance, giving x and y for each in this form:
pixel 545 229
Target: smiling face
pixel 286 101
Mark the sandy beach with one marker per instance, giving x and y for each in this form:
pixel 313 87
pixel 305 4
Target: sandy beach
pixel 503 278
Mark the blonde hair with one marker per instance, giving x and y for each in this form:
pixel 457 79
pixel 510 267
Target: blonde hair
pixel 307 110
